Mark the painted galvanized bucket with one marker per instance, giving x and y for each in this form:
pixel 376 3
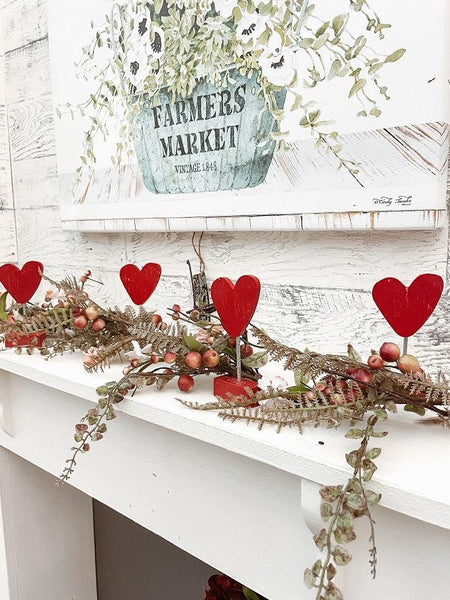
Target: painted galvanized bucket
pixel 210 141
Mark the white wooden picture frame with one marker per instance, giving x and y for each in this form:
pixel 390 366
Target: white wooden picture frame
pixel 402 154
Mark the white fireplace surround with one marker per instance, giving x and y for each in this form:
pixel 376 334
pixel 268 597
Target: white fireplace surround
pixel 242 500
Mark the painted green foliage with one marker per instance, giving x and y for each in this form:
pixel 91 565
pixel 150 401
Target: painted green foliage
pixel 200 88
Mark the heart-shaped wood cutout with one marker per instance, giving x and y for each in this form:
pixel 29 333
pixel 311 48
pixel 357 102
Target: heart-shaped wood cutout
pixel 22 283
pixel 236 304
pixel 140 284
pixel 407 309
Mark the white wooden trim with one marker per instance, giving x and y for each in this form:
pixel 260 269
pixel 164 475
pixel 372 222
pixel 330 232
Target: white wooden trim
pixel 422 497
pixel 345 221
pixel 47 534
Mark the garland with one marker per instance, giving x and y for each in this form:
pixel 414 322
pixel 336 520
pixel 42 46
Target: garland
pixel 330 390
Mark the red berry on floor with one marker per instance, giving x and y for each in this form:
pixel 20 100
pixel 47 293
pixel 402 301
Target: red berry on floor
pixel 170 357
pixel 185 383
pixel 408 364
pixel 99 324
pixel 193 360
pixel 156 319
pixel 80 322
pixel 375 362
pixel 210 359
pixel 390 352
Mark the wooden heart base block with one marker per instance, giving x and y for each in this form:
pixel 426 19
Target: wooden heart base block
pixel 226 385
pixel 25 340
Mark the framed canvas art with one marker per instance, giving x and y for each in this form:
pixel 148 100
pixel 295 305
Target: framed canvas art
pixel 250 114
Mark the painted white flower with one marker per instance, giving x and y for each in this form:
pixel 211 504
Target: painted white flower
pixel 148 35
pixel 277 62
pixel 157 41
pixel 136 67
pixel 250 27
pixel 225 7
pixel 142 26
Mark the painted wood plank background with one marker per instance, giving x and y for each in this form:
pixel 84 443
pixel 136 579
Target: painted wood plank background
pixel 316 286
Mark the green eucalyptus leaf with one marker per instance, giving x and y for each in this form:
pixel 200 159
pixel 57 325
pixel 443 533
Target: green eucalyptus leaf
pixel 341 556
pixel 354 434
pixel 250 594
pixel 256 360
pixel 3 313
pixel 357 87
pixel 192 343
pixel 419 410
pixel 395 55
pixel 373 453
pixel 326 511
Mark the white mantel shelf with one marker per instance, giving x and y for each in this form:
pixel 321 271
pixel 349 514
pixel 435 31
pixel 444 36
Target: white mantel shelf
pixel 412 465
pixel 194 479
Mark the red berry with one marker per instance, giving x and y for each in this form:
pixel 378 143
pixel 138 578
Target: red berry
pixel 360 374
pixel 193 360
pixel 154 358
pixel 156 319
pixel 247 350
pixel 375 362
pixel 185 383
pixel 390 352
pixel 99 324
pixel 231 342
pixel 408 364
pixel 134 362
pixel 77 311
pixel 170 357
pixel 176 308
pixel 80 322
pixel 210 358
pixel 91 312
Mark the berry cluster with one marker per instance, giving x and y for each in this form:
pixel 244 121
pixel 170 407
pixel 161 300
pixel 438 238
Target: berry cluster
pixel 222 587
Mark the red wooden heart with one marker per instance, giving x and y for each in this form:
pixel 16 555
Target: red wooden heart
pixel 140 284
pixel 406 309
pixel 22 283
pixel 236 304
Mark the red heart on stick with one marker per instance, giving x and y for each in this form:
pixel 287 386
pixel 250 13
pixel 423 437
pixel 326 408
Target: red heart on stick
pixel 236 304
pixel 140 284
pixel 407 309
pixel 22 283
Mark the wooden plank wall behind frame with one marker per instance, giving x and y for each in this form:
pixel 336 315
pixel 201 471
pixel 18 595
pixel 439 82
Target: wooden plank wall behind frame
pixel 402 155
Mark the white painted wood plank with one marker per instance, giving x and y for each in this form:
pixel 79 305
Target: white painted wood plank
pixel 48 533
pixel 8 250
pixel 27 71
pixel 35 182
pixel 23 22
pixel 40 237
pixel 345 221
pixel 31 131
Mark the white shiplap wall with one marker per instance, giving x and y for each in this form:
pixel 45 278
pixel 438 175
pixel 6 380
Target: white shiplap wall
pixel 316 286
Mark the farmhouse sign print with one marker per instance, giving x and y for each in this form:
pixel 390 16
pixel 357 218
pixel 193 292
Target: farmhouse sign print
pixel 212 140
pixel 179 111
